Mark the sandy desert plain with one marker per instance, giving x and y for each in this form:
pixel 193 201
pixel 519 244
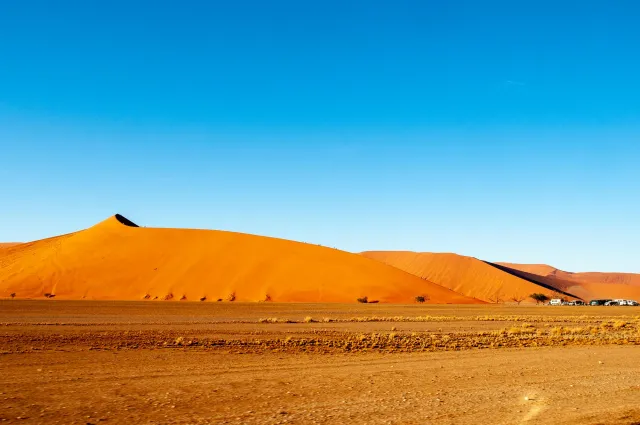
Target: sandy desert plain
pixel 128 325
pixel 93 362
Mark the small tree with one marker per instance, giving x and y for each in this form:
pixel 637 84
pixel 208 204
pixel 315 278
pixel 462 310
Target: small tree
pixel 363 300
pixel 422 298
pixel 496 297
pixel 539 298
pixel 518 298
pixel 13 295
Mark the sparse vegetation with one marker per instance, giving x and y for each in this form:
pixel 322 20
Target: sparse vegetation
pixel 539 298
pixel 146 297
pixel 267 298
pixel 13 295
pixel 363 300
pixel 168 297
pixel 49 295
pixel 231 297
pixel 422 298
pixel 518 298
pixel 496 297
pixel 203 298
pixel 183 298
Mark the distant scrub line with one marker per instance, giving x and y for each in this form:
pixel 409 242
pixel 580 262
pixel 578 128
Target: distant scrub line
pixel 608 332
pixel 372 319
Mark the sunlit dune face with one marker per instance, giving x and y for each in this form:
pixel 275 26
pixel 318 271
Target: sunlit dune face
pixel 116 259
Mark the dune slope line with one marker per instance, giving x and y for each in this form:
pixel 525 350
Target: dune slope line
pixel 115 259
pixel 468 275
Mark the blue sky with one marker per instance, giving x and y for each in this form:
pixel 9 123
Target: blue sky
pixel 502 130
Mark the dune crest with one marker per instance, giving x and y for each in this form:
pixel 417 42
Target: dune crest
pixel 116 259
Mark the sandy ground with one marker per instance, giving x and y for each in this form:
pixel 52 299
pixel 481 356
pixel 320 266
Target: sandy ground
pixel 107 362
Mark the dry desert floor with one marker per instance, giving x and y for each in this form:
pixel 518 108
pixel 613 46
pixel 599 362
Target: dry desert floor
pixel 154 362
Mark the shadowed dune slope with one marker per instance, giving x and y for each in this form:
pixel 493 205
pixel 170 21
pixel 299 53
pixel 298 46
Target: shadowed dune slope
pixel 467 275
pixel 587 285
pixel 118 260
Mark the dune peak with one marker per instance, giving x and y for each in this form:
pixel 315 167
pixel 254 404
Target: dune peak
pixel 125 221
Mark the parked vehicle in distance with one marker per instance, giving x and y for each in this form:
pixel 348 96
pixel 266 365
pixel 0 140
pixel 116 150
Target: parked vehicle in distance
pixel 555 301
pixel 599 302
pixel 577 302
pixel 612 302
pixel 627 302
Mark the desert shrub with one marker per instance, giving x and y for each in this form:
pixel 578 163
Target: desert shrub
pixel 267 298
pixel 363 300
pixel 539 298
pixel 219 300
pixel 146 297
pixel 309 319
pixel 421 298
pixel 619 324
pixel 49 295
pixel 183 298
pixel 231 297
pixel 203 298
pixel 168 297
pixel 13 295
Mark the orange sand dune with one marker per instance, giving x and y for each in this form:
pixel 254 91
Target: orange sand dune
pixel 588 285
pixel 593 277
pixel 466 275
pixel 8 244
pixel 118 260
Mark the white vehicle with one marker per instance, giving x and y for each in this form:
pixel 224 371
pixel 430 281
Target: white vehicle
pixel 621 302
pixel 555 301
pixel 633 303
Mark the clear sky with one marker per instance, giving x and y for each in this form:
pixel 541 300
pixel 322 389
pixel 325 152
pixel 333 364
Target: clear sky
pixel 504 130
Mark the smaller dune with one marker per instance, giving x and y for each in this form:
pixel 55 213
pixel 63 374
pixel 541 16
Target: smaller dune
pixel 469 276
pixel 588 285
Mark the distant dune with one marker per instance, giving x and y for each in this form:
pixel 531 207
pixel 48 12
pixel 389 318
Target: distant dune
pixel 469 276
pixel 589 284
pixel 592 277
pixel 8 244
pixel 118 260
